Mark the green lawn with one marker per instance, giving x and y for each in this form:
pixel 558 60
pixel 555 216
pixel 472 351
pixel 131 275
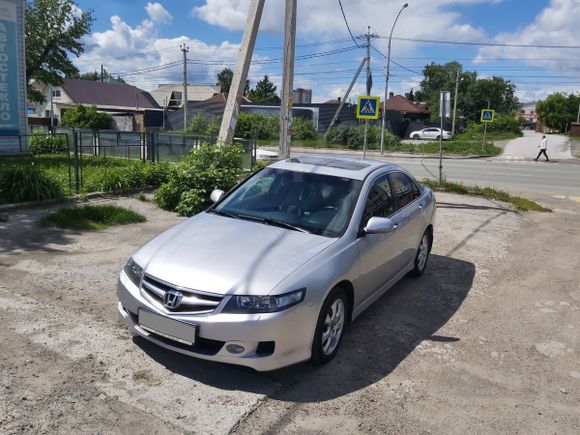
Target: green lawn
pixel 91 217
pixel 522 204
pixel 456 146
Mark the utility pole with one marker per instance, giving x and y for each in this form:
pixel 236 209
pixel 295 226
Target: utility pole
pixel 455 102
pixel 102 74
pixel 387 74
pixel 185 49
pixel 369 83
pixel 51 111
pixel 287 79
pixel 347 93
pixel 578 117
pixel 484 132
pixel 237 87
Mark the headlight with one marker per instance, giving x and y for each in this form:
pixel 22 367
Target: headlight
pixel 264 304
pixel 134 272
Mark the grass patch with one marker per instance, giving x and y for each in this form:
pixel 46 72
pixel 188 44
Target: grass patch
pixel 518 202
pixel 91 217
pixel 456 146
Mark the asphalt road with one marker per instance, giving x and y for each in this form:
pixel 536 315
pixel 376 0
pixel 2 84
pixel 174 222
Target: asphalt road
pixel 535 180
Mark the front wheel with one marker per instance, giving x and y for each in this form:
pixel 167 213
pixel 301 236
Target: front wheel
pixel 330 327
pixel 416 137
pixel 422 256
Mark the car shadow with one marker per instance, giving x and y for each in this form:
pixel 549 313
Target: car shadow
pixel 373 346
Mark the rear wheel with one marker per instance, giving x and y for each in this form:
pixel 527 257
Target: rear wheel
pixel 438 137
pixel 422 256
pixel 330 327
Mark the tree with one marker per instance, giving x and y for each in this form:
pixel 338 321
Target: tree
pixel 473 94
pixel 558 110
pixel 224 80
pixel 54 28
pixel 264 93
pixel 95 76
pixel 86 117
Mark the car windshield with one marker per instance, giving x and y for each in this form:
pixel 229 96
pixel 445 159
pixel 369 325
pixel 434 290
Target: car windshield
pixel 316 203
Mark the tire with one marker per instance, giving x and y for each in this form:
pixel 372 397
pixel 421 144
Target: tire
pixel 416 137
pixel 438 137
pixel 422 256
pixel 334 309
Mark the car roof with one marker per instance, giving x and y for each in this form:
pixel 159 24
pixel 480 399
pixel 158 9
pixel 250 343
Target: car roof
pixel 355 169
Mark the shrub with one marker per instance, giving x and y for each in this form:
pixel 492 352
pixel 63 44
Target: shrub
pixel 257 125
pixel 191 182
pixel 86 117
pixel 198 124
pixel 353 137
pixel 303 129
pixel 46 144
pixel 129 176
pixel 22 182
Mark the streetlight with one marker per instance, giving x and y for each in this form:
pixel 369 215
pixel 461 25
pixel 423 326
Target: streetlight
pixel 387 79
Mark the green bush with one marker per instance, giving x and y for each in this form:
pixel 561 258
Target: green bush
pixel 86 117
pixel 257 125
pixel 191 182
pixel 353 137
pixel 46 144
pixel 22 182
pixel 303 129
pixel 198 124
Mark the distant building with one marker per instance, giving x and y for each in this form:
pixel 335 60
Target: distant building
pixel 528 112
pixel 302 96
pixel 127 104
pixel 171 95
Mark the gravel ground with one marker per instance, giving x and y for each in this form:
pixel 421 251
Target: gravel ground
pixel 486 341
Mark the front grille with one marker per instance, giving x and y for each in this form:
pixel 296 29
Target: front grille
pixel 193 302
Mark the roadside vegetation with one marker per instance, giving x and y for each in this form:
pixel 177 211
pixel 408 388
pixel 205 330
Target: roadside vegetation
pixel 518 202
pixel 91 217
pixel 190 183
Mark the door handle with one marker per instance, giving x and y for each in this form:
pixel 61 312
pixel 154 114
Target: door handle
pixel 421 206
pixel 395 226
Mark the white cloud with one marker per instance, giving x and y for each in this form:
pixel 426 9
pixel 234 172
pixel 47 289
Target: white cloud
pixel 157 13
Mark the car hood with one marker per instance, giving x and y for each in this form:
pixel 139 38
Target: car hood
pixel 223 255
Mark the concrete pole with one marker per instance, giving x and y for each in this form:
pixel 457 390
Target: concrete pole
pixel 455 102
pixel 578 117
pixel 184 98
pixel 443 103
pixel 387 78
pixel 287 79
pixel 238 85
pixel 347 93
pixel 365 140
pixel 51 111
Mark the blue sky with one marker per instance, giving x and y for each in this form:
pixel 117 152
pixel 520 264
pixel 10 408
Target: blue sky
pixel 141 39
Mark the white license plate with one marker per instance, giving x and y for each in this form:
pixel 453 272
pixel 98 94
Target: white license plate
pixel 165 327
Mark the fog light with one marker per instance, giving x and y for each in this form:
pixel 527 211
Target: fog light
pixel 235 348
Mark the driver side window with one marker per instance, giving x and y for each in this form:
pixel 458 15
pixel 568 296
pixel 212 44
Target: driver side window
pixel 379 202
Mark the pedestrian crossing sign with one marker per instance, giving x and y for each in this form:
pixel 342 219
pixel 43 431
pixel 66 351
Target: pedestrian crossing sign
pixel 368 107
pixel 487 115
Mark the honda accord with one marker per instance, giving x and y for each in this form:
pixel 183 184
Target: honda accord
pixel 272 273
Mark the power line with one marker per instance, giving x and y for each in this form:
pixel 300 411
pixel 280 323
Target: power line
pixel 395 63
pixel 346 22
pixel 485 44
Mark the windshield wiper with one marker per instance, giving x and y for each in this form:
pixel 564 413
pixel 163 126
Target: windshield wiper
pixel 223 213
pixel 274 222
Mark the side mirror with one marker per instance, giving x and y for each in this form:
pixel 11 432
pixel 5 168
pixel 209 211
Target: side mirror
pixel 216 195
pixel 379 225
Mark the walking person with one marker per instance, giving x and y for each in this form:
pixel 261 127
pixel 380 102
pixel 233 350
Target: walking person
pixel 543 147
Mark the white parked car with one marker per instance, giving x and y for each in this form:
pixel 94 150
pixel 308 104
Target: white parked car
pixel 269 156
pixel 430 133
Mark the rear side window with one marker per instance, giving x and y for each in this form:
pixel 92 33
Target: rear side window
pixel 380 202
pixel 404 189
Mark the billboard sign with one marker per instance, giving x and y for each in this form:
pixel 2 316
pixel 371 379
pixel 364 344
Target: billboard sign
pixel 9 104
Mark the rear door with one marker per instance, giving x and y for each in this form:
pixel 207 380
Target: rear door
pixel 379 253
pixel 409 207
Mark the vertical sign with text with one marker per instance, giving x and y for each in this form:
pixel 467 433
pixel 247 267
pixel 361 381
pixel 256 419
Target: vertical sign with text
pixel 9 99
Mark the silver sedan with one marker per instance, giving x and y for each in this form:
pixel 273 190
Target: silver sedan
pixel 272 273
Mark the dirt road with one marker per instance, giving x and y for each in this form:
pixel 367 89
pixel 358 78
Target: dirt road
pixel 487 341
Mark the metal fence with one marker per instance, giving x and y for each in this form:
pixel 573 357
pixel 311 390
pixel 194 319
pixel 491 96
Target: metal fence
pixel 77 145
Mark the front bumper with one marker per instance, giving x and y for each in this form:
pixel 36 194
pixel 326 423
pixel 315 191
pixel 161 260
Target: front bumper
pixel 270 341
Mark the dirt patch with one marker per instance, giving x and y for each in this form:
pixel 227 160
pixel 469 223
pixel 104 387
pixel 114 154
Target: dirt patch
pixel 485 341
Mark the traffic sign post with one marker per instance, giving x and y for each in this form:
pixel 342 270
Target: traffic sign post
pixel 368 107
pixel 487 117
pixel 444 108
